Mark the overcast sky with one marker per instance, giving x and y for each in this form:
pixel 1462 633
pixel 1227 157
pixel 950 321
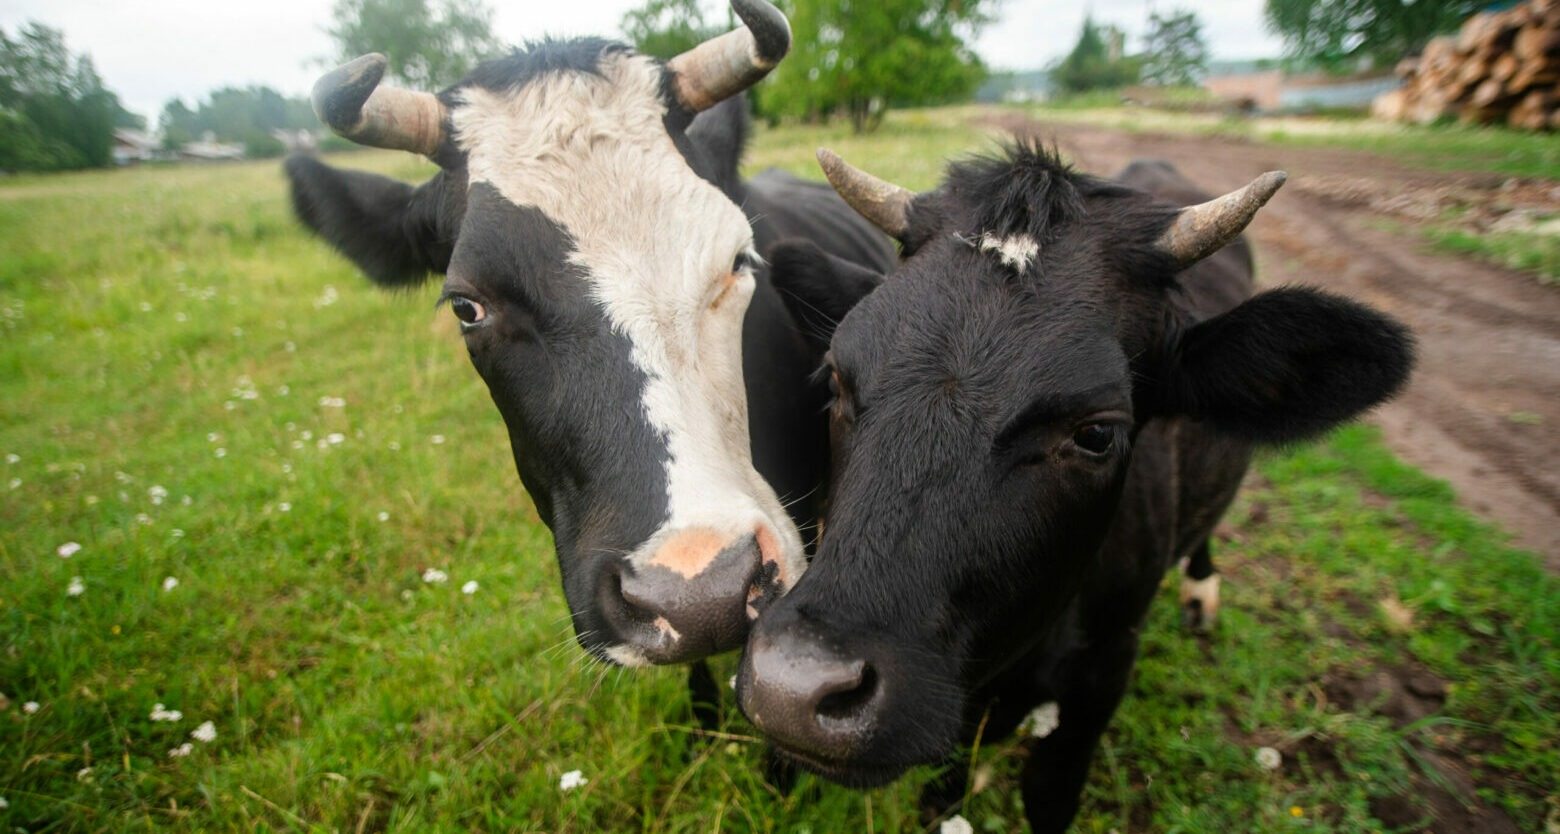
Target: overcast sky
pixel 149 51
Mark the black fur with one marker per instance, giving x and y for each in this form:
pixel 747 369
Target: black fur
pixel 980 558
pixel 560 375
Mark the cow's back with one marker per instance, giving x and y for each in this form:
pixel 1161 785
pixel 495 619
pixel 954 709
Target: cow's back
pixel 1215 284
pixel 784 206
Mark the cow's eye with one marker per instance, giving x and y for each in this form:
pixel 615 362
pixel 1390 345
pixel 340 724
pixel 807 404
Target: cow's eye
pixel 469 312
pixel 745 262
pixel 1095 439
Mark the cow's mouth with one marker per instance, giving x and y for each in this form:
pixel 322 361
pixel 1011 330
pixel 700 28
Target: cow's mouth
pixel 851 774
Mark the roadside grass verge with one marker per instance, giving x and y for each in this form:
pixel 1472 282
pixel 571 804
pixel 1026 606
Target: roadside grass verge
pixel 193 388
pixel 1491 150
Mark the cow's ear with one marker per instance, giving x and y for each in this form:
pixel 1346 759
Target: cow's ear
pixel 388 228
pixel 818 288
pixel 1287 365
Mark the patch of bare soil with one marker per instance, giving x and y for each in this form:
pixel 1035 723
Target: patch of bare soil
pixel 1484 406
pixel 1443 799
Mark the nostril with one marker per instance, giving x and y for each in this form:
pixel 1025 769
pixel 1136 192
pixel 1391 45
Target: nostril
pixel 850 703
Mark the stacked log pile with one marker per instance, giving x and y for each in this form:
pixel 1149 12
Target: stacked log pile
pixel 1501 68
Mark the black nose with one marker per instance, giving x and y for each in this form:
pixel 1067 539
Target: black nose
pixel 668 616
pixel 809 696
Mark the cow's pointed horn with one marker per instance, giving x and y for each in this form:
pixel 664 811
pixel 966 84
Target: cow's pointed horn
pixel 885 204
pixel 1201 230
pixel 351 100
pixel 721 67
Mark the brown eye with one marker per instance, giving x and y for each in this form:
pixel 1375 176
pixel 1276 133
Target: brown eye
pixel 469 312
pixel 1095 439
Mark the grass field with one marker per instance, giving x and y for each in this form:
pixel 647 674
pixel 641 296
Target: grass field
pixel 194 391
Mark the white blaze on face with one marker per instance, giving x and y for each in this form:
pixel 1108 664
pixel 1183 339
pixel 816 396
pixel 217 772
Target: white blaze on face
pixel 656 244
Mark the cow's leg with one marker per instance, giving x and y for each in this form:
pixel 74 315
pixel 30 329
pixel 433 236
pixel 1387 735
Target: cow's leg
pixel 1058 765
pixel 1200 591
pixel 704 694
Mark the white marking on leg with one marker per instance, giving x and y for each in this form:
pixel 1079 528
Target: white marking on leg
pixel 1205 592
pixel 1044 720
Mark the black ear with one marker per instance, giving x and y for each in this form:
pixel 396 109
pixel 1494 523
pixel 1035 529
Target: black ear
pixel 388 228
pixel 818 288
pixel 1287 365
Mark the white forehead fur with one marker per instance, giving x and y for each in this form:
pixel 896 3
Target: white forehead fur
pixel 1017 251
pixel 656 243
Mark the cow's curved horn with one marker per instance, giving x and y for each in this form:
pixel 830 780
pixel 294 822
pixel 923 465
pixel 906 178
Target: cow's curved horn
pixel 351 100
pixel 1201 230
pixel 719 68
pixel 885 204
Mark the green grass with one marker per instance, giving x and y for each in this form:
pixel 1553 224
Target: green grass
pixel 1535 253
pixel 149 319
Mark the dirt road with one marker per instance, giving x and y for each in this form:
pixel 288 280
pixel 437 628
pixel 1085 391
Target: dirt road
pixel 1483 410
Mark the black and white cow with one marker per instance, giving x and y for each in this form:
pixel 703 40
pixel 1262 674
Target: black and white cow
pixel 603 257
pixel 1051 400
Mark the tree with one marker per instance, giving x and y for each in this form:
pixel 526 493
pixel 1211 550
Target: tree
pixel 55 113
pixel 428 48
pixel 245 115
pixel 862 57
pixel 1175 53
pixel 1339 34
pixel 1096 62
pixel 668 28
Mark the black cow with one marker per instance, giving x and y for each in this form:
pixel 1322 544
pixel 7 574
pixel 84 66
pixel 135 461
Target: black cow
pixel 603 257
pixel 1052 400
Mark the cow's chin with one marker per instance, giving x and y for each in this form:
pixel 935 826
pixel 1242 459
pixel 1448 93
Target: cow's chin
pixel 862 775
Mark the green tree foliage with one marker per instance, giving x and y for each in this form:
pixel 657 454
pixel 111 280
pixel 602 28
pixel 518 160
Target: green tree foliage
pixel 862 57
pixel 1175 53
pixel 55 113
pixel 244 115
pixel 668 28
pixel 1096 62
pixel 429 47
pixel 1339 34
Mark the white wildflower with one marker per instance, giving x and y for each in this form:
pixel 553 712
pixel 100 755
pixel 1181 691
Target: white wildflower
pixel 571 780
pixel 290 347
pixel 180 317
pixel 176 533
pixel 181 751
pixel 3 804
pixel 170 583
pixel 1268 758
pixel 13 458
pixel 284 507
pixel 326 299
pixel 383 517
pixel 31 707
pixel 307 435
pixel 186 500
pixel 230 405
pixel 956 825
pixel 333 402
pixel 297 444
pixel 16 483
pixel 84 775
pixel 143 519
pixel 213 437
pixel 76 588
pixel 1045 719
pixel 205 733
pixel 221 453
pixel 146 306
pixel 437 440
pixel 172 716
pixel 68 550
pixel 733 682
pixel 434 576
pixel 470 588
pixel 336 438
pixel 395 446
pixel 158 494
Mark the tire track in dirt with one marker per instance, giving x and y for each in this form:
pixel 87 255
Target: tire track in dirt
pixel 1484 404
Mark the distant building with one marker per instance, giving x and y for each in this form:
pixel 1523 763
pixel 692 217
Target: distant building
pixel 133 146
pixel 297 141
pixel 208 149
pixel 1274 91
pixel 1015 88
